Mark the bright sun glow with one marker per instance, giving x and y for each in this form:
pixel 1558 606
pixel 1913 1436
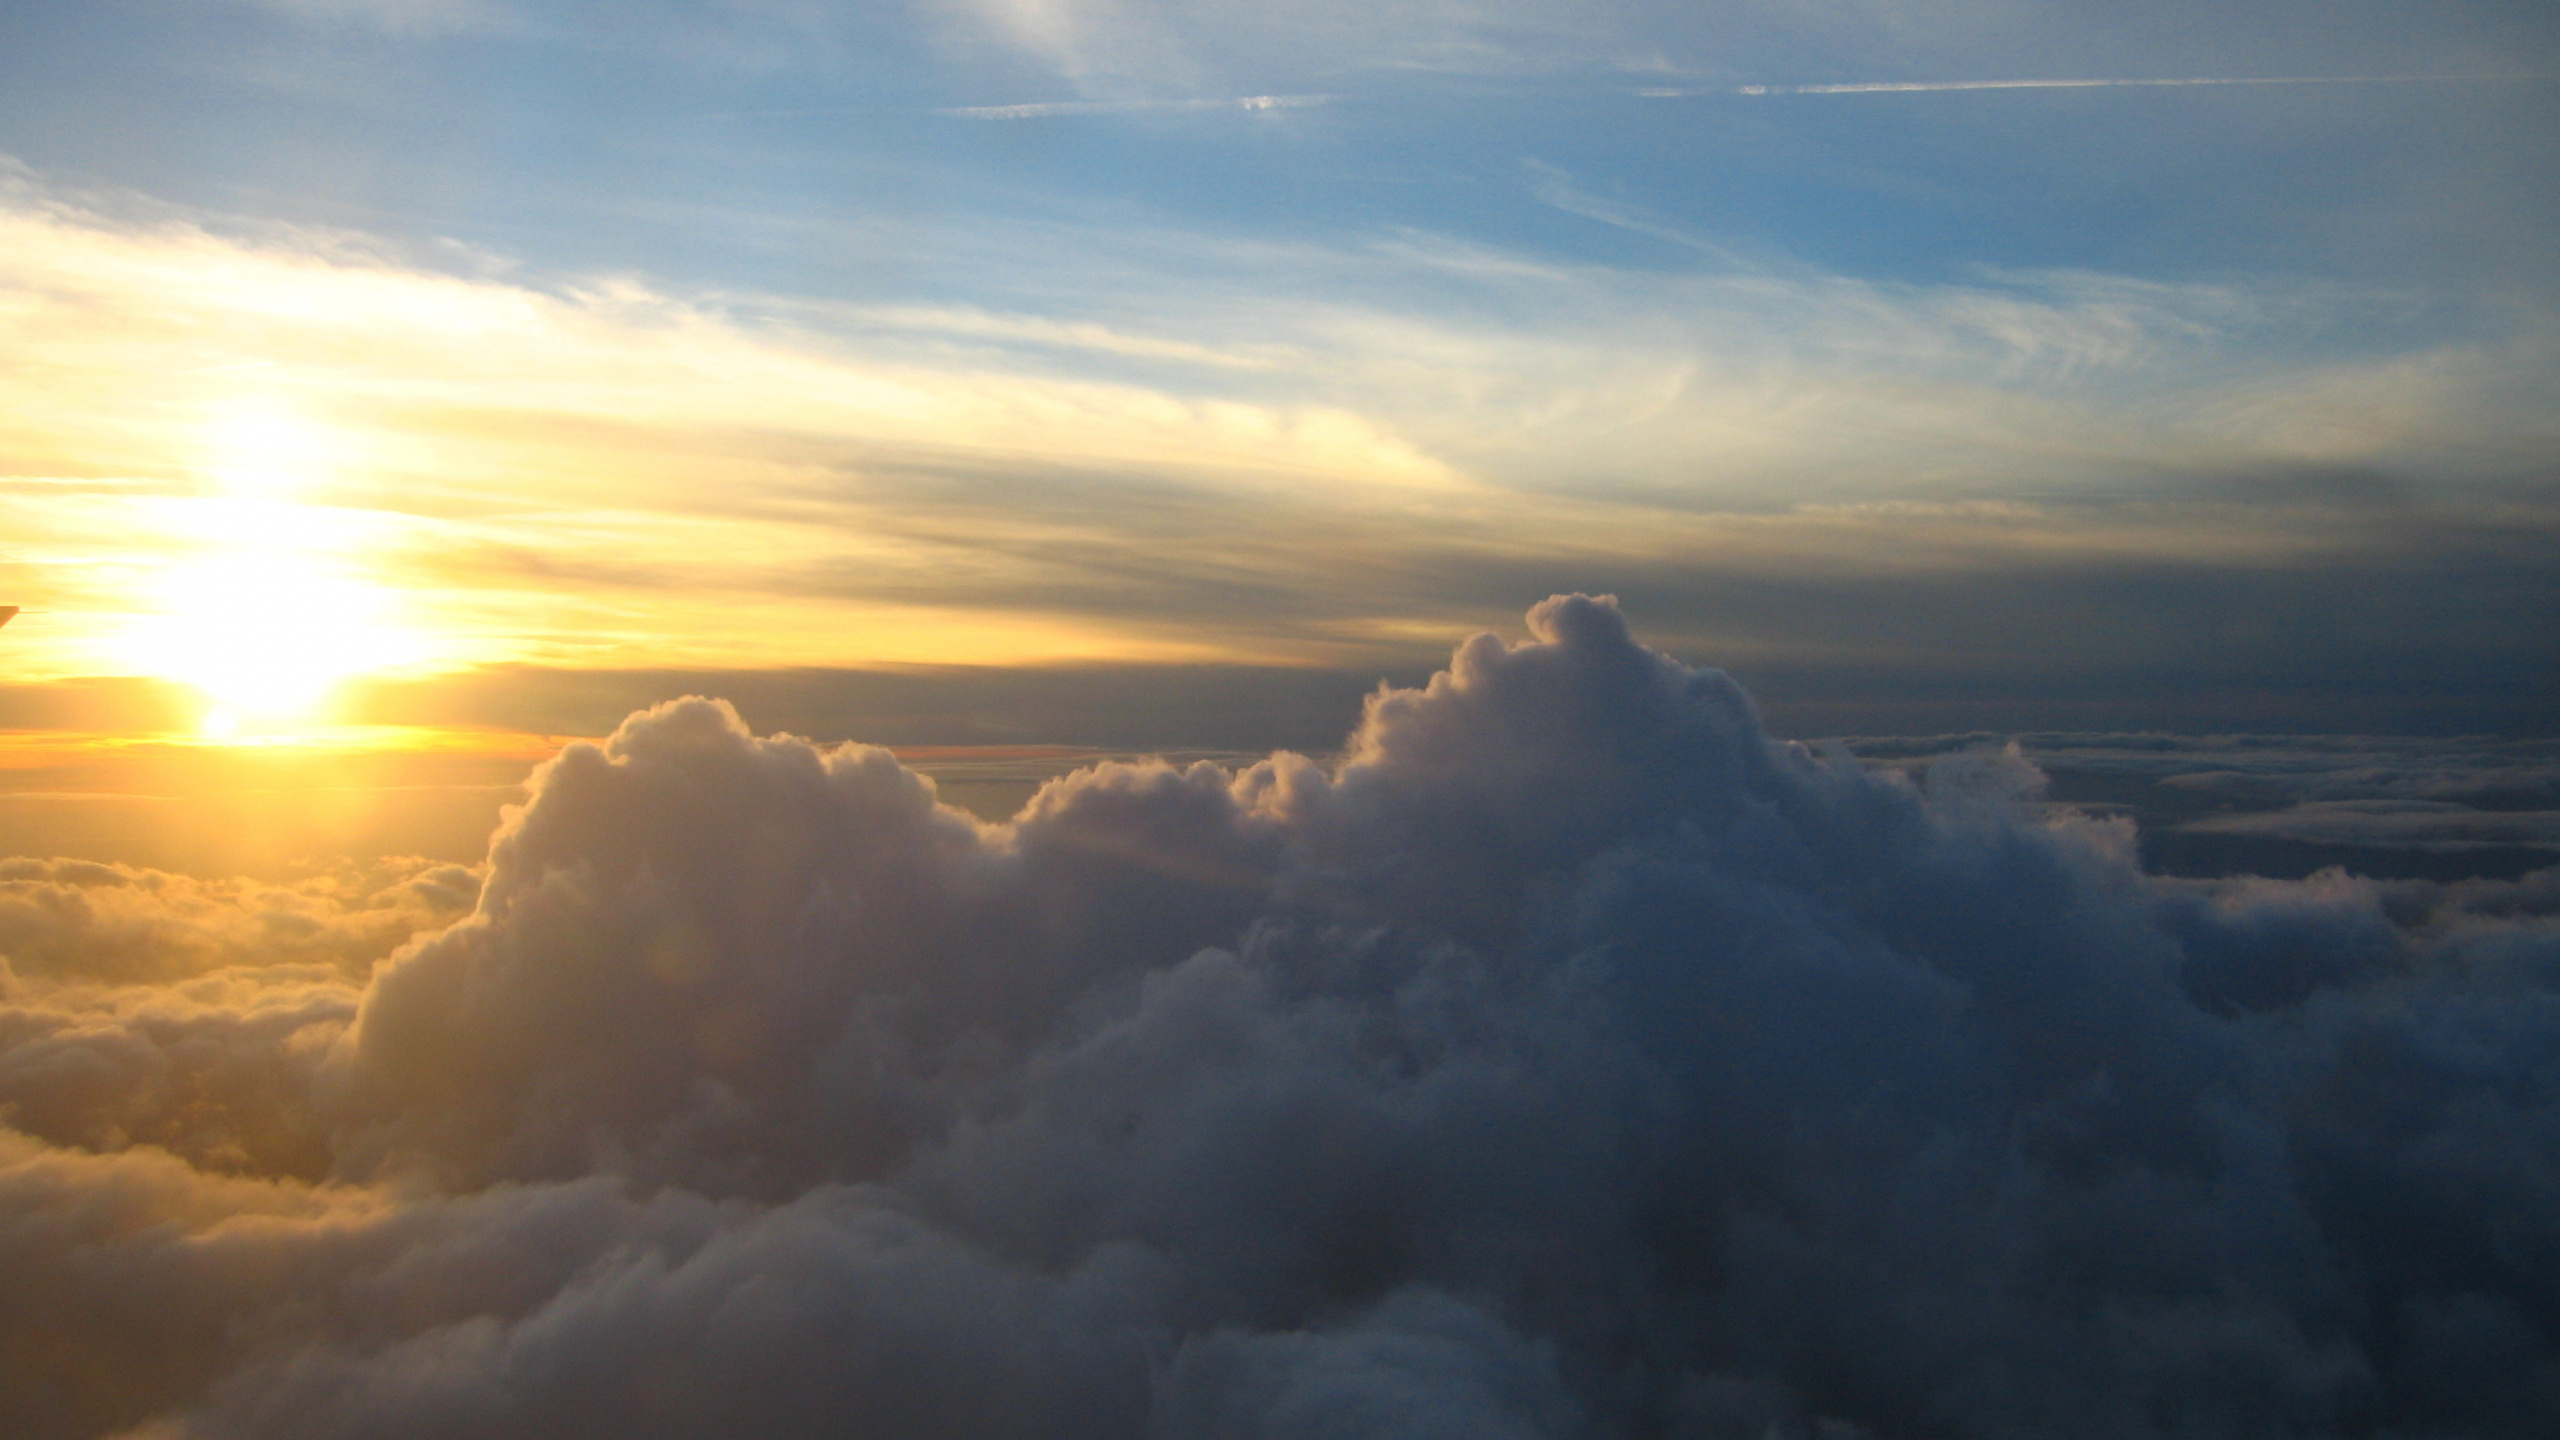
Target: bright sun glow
pixel 261 447
pixel 268 611
pixel 266 634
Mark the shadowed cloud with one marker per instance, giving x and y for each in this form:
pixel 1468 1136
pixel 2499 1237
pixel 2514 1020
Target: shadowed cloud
pixel 1567 1058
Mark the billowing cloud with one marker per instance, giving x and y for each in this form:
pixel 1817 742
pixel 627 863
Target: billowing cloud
pixel 1567 1059
pixel 139 1007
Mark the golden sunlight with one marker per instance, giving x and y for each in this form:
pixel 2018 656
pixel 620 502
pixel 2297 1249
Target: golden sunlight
pixel 265 636
pixel 264 608
pixel 259 446
pixel 267 615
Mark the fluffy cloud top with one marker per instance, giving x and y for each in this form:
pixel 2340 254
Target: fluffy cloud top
pixel 1569 1059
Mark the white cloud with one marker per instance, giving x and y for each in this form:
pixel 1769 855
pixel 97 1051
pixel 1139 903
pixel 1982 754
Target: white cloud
pixel 1052 109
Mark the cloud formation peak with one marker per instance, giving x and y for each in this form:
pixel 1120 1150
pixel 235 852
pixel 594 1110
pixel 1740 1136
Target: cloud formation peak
pixel 1569 1059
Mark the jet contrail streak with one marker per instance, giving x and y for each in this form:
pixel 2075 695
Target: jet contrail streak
pixel 1042 110
pixel 1905 87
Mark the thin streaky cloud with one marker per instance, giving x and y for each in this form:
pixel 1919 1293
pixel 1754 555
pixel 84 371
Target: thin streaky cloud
pixel 1904 87
pixel 1047 109
pixel 1555 187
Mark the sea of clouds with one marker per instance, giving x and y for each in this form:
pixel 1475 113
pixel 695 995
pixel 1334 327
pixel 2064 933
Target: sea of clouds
pixel 1568 1059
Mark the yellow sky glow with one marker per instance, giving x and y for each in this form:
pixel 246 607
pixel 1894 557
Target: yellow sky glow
pixel 263 603
pixel 263 468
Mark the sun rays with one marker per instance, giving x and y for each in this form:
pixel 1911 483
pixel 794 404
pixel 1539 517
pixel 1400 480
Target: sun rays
pixel 265 604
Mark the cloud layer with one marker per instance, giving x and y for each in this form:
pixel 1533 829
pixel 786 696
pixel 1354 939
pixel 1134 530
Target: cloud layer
pixel 1568 1060
pixel 2146 486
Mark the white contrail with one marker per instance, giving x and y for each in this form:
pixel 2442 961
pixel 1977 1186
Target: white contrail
pixel 1047 108
pixel 1904 87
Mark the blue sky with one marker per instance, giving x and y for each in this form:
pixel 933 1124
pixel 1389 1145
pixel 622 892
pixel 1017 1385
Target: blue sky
pixel 584 136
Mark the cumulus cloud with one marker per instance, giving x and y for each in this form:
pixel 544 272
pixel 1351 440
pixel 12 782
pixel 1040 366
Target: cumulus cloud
pixel 1568 1058
pixel 139 1007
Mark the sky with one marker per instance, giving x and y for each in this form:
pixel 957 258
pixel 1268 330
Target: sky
pixel 1811 720
pixel 1878 353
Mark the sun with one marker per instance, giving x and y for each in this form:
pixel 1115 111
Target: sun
pixel 266 634
pixel 264 607
pixel 266 638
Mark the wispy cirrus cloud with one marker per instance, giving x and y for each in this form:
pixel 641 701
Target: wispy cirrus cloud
pixel 610 471
pixel 403 17
pixel 1916 87
pixel 1554 186
pixel 1107 45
